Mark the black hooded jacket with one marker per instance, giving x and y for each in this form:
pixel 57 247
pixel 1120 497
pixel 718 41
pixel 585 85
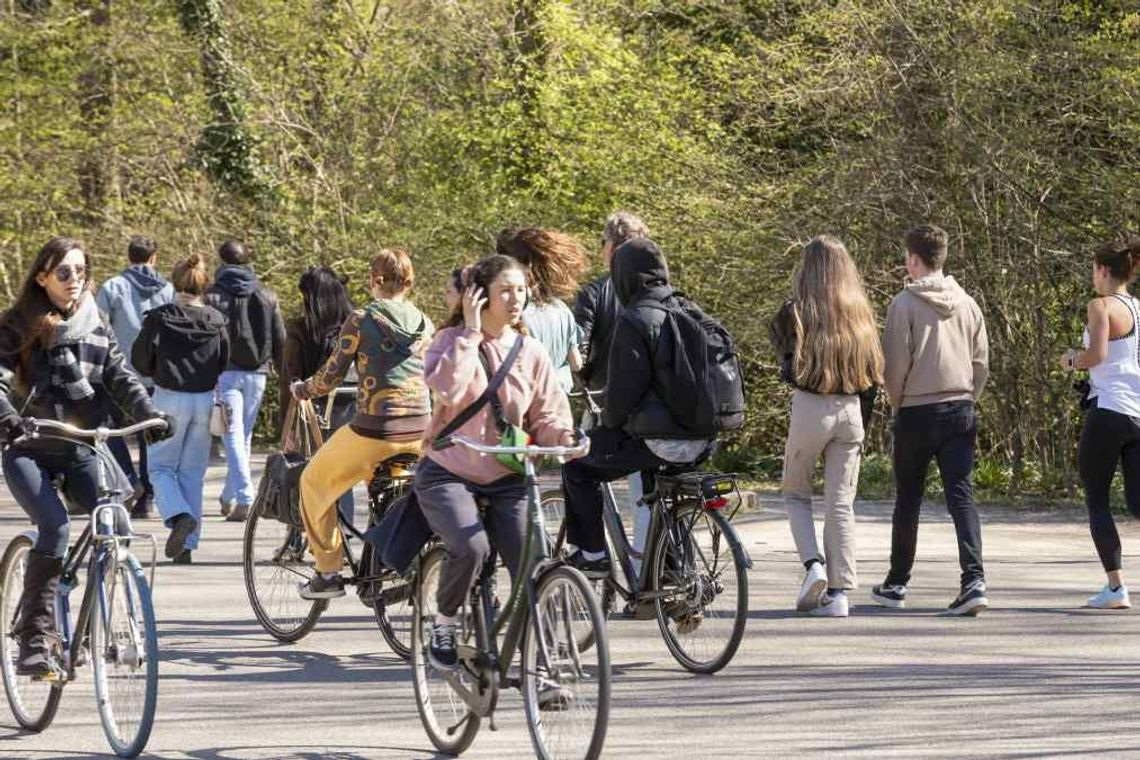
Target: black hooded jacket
pixel 183 348
pixel 641 350
pixel 596 310
pixel 233 281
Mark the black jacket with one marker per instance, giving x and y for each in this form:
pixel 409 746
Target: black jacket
pixel 596 311
pixel 231 281
pixel 102 363
pixel 183 348
pixel 641 351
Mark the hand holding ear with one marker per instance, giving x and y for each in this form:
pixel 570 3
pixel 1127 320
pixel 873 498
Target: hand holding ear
pixel 473 303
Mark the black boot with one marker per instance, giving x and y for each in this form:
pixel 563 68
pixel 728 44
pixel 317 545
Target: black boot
pixel 35 629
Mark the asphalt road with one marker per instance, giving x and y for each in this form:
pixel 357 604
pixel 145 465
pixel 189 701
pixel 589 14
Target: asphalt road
pixel 1036 676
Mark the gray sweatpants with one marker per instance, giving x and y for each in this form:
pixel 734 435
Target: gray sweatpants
pixel 448 503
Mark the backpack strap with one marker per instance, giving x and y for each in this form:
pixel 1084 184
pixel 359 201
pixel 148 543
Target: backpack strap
pixel 441 441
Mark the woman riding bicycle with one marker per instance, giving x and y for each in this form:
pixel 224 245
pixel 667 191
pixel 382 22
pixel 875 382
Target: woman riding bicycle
pixel 310 340
pixel 60 361
pixel 481 336
pixel 385 342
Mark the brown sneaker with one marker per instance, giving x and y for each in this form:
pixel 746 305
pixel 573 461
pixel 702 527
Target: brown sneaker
pixel 239 513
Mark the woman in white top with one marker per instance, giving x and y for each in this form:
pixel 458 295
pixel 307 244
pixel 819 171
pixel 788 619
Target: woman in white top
pixel 554 262
pixel 1111 432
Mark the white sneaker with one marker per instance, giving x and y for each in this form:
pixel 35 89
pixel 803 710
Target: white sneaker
pixel 815 583
pixel 831 605
pixel 1108 599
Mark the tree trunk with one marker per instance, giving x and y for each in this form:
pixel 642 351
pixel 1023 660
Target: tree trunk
pixel 96 87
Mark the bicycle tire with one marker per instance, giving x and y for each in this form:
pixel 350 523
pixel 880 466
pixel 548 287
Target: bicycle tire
pixel 456 733
pixel 573 675
pixel 689 604
pixel 604 588
pixel 276 602
pixel 394 618
pixel 33 703
pixel 125 710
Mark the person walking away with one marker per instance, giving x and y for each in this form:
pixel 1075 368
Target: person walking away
pixel 936 361
pixel 485 336
pixel 1111 432
pixel 310 340
pixel 829 349
pixel 554 262
pixel 385 343
pixel 183 347
pixel 58 361
pixel 641 426
pixel 125 299
pixel 596 309
pixel 256 337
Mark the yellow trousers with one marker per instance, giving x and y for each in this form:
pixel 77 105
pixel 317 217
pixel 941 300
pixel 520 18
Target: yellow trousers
pixel 346 459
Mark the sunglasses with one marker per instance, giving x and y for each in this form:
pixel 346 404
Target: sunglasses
pixel 65 272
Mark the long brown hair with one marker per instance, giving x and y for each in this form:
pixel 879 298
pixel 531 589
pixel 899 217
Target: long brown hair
pixel 553 259
pixel 33 316
pixel 482 274
pixel 837 342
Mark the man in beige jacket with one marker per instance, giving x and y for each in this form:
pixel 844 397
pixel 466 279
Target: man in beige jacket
pixel 936 363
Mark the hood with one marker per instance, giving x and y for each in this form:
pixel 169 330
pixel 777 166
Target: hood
pixel 236 280
pixel 942 292
pixel 82 322
pixel 638 270
pixel 144 279
pixel 196 324
pixel 407 322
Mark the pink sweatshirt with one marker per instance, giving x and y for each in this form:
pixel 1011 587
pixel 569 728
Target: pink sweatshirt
pixel 530 396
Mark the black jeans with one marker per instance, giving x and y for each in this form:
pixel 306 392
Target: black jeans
pixel 613 454
pixel 945 432
pixel 30 471
pixel 1108 438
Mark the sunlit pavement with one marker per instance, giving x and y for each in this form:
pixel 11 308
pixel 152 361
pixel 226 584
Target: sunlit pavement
pixel 1035 676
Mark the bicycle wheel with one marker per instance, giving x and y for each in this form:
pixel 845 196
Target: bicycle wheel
pixel 449 723
pixel 566 689
pixel 554 508
pixel 124 655
pixel 33 702
pixel 274 564
pixel 702 591
pixel 393 607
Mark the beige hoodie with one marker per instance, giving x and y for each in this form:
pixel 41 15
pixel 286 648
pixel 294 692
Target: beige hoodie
pixel 934 344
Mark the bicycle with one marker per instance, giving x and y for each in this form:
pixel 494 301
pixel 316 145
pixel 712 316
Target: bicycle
pixel 566 690
pixel 274 564
pixel 115 624
pixel 693 557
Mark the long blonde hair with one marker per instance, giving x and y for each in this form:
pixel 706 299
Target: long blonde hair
pixel 837 342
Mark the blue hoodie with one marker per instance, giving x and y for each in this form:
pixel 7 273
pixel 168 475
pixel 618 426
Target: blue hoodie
pixel 127 297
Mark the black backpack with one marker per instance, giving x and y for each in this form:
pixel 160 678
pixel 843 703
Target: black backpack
pixel 705 390
pixel 251 329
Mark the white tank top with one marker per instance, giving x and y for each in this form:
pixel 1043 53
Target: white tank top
pixel 1115 381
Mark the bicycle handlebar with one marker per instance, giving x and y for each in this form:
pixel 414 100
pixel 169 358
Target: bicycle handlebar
pixel 581 449
pixel 99 433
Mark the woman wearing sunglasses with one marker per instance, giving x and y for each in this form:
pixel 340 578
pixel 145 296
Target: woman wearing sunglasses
pixel 58 360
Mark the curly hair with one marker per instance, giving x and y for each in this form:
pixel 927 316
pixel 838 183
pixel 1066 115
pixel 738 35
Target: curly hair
pixel 553 259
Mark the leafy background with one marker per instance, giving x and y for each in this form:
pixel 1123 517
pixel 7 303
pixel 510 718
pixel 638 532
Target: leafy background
pixel 321 130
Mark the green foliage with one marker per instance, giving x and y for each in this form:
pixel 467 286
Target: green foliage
pixel 321 130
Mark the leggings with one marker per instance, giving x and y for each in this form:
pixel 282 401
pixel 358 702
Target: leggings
pixel 1109 438
pixel 31 472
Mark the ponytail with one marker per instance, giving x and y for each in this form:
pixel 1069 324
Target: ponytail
pixel 189 275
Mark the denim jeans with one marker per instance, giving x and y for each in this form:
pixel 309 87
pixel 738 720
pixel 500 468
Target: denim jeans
pixel 29 471
pixel 178 464
pixel 241 392
pixel 1109 439
pixel 945 432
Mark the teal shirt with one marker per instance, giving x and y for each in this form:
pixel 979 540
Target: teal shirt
pixel 553 326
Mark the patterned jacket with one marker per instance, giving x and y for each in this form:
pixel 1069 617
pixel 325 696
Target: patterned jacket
pixel 386 342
